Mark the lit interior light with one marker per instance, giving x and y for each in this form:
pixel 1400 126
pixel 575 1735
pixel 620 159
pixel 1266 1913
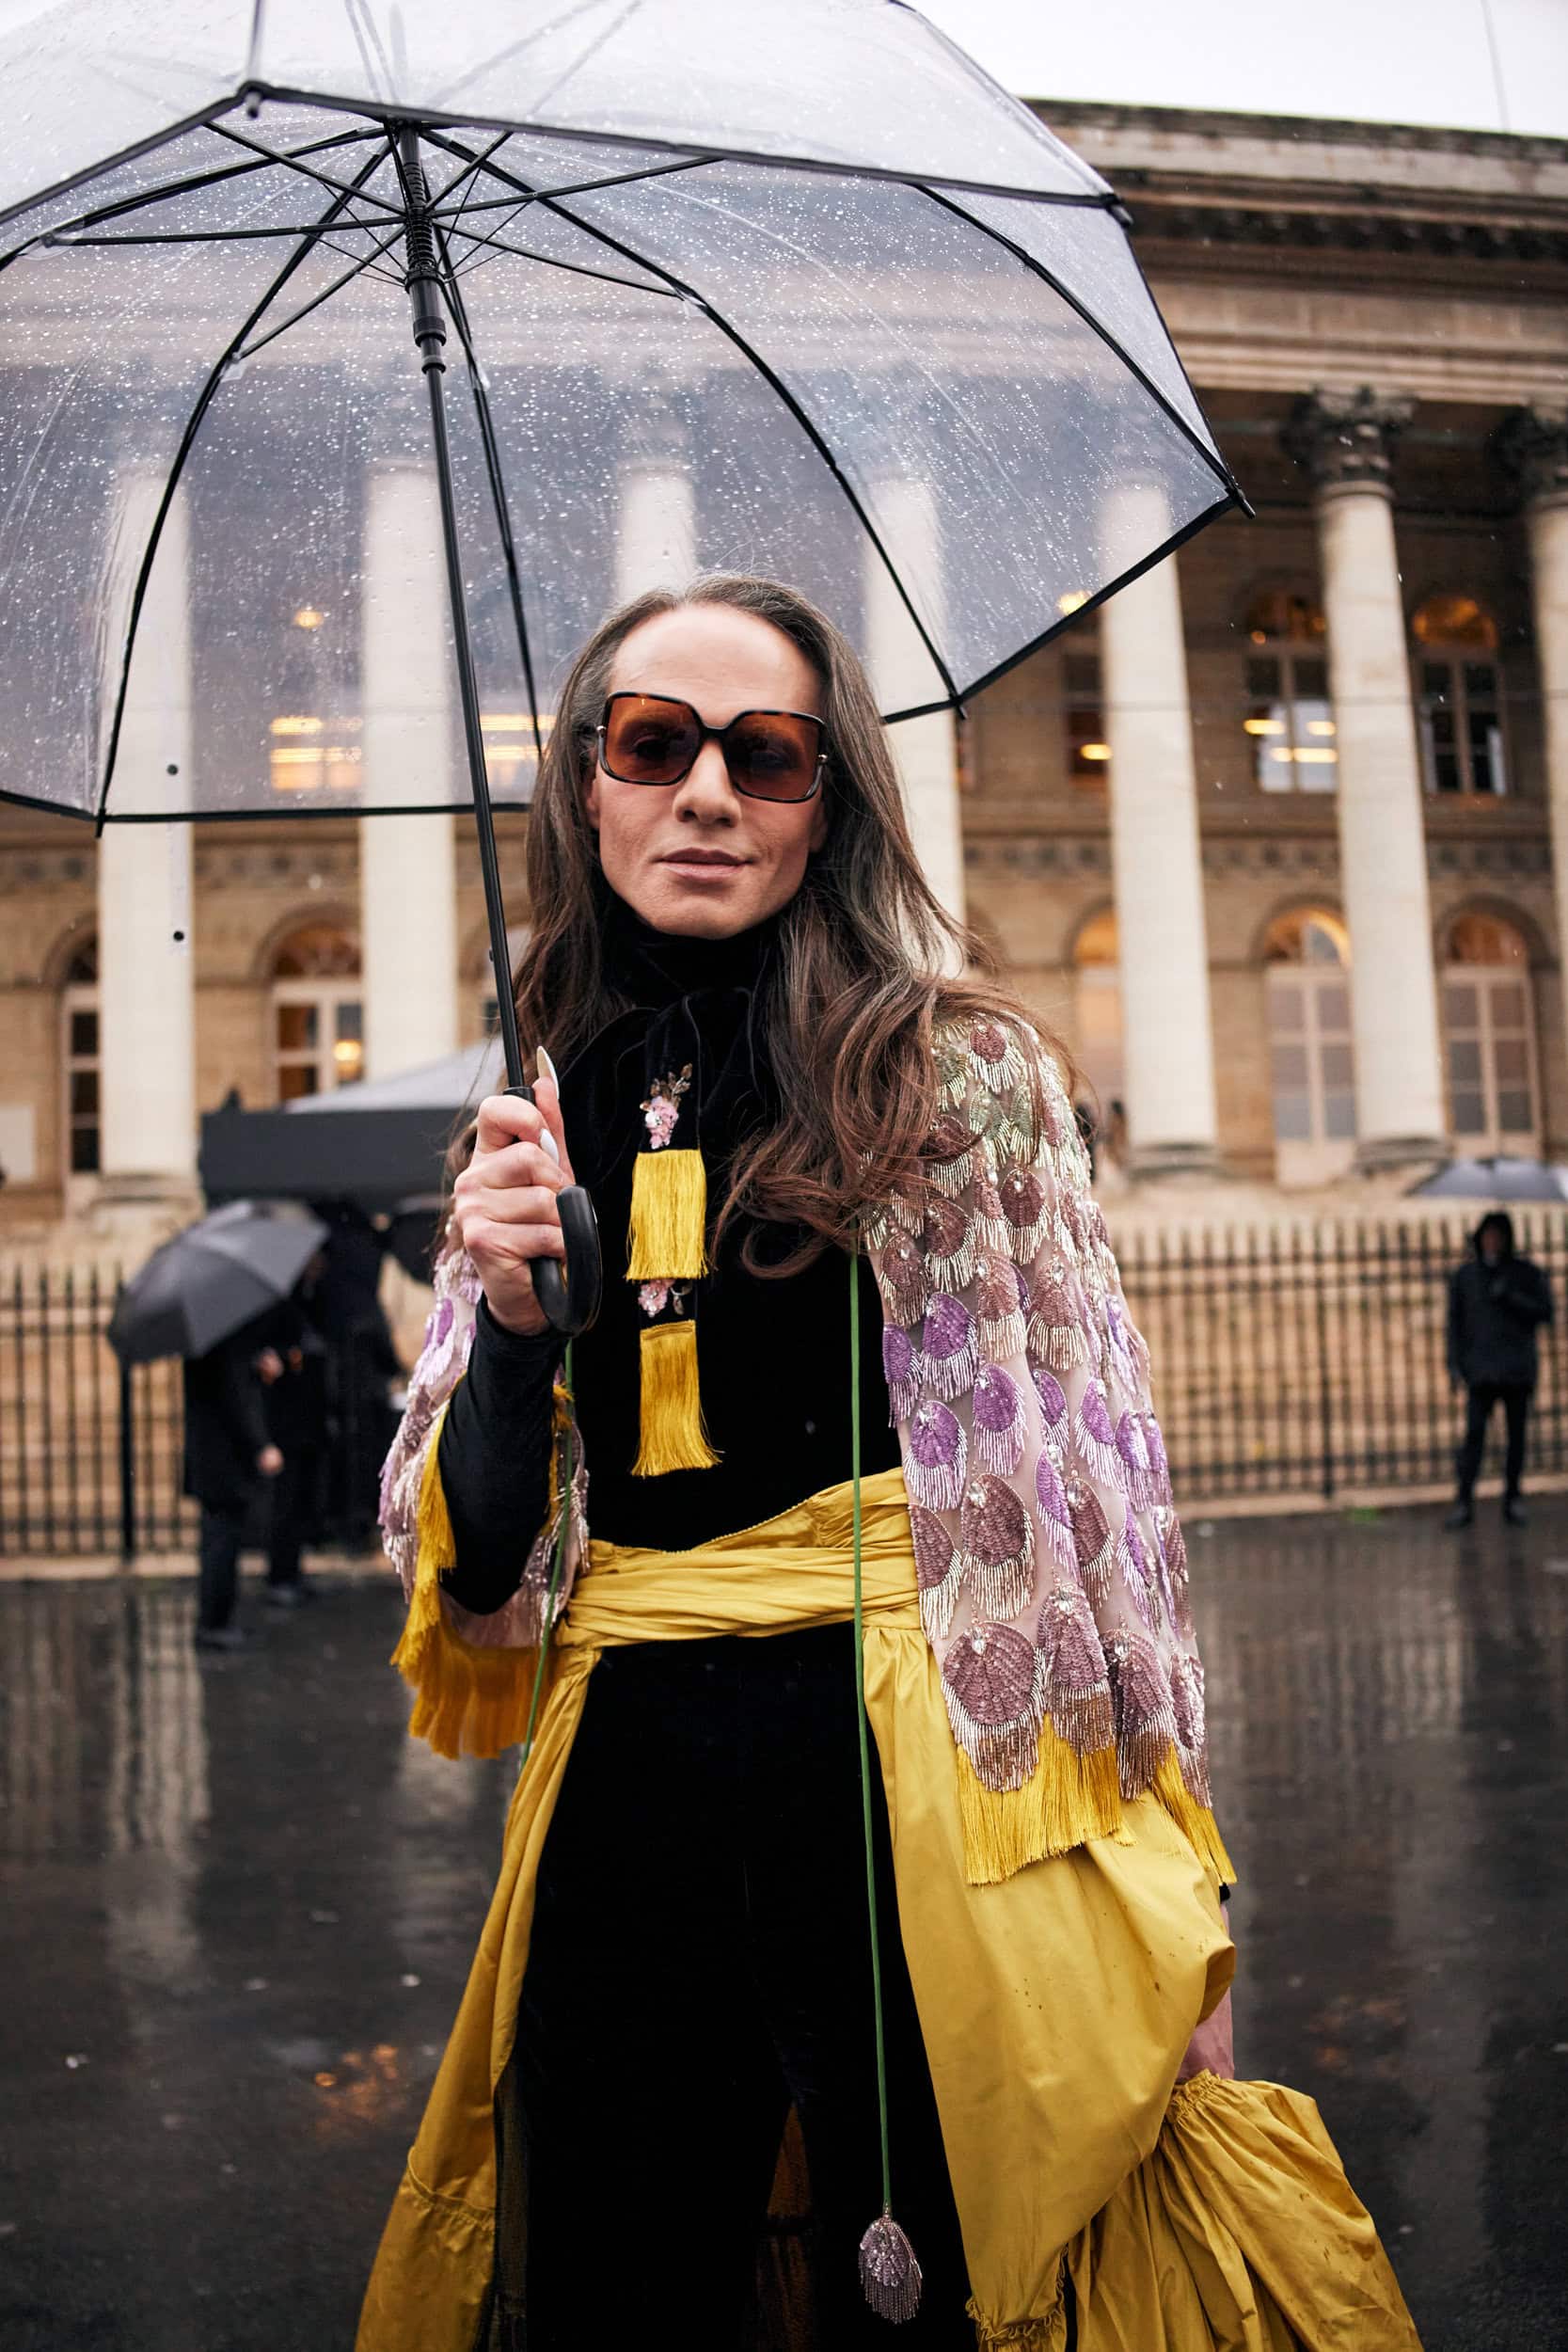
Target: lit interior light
pixel 515 721
pixel 1074 601
pixel 309 616
pixel 1317 758
pixel 1094 751
pixel 298 724
pixel 347 1050
pixel 1264 726
pixel 1321 727
pixel 1259 636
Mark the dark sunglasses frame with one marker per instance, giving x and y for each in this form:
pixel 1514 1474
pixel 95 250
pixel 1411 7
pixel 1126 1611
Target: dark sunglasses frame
pixel 708 734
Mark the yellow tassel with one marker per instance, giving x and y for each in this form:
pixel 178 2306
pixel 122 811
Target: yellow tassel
pixel 673 1433
pixel 1196 1822
pixel 1068 1799
pixel 667 1237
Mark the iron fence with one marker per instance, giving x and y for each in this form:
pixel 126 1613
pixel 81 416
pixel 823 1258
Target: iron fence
pixel 1292 1362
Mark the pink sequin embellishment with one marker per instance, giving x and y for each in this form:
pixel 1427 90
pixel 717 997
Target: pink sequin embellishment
pixel 996 1418
pixel 939 1457
pixel 948 1345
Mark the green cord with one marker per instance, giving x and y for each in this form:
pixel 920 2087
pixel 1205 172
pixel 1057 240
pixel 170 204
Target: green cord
pixel 864 1735
pixel 556 1571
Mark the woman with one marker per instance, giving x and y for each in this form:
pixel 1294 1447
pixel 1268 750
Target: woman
pixel 810 1138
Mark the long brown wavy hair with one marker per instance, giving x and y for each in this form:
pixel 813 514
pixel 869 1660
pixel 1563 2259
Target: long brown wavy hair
pixel 867 951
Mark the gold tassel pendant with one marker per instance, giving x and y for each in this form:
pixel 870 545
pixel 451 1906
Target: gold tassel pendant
pixel 672 1435
pixel 667 1237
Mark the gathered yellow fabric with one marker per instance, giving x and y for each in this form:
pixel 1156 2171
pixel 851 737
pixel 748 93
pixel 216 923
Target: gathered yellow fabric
pixel 1055 2005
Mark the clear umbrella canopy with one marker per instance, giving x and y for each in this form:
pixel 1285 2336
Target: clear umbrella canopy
pixel 789 288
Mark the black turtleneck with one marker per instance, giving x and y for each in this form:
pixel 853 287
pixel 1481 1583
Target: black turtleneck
pixel 773 1357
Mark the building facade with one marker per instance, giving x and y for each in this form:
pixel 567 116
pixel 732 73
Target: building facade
pixel 1276 841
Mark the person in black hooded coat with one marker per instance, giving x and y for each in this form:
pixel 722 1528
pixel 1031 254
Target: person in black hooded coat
pixel 1497 1302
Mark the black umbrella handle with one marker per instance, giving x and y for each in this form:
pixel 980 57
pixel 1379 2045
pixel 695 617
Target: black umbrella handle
pixel 570 1300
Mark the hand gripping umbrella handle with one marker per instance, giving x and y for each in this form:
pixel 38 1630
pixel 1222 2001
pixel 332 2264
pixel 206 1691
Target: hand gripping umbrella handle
pixel 570 1300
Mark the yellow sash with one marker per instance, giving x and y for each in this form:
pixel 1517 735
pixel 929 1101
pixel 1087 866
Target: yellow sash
pixel 1056 2005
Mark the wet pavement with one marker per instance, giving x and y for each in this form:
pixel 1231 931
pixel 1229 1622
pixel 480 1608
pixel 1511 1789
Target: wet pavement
pixel 237 1909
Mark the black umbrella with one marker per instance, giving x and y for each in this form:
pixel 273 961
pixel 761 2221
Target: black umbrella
pixel 208 1281
pixel 801 251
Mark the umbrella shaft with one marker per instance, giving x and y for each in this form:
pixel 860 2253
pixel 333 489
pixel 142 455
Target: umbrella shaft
pixel 430 333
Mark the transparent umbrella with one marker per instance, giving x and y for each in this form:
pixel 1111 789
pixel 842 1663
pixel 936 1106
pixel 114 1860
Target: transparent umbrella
pixel 799 265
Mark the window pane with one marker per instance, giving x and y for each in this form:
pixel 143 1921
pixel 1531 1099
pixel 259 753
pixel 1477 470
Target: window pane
pixel 1514 1115
pixel 1337 1069
pixel 1461 1008
pixel 1465 1061
pixel 1286 1009
pixel 84 1033
pixel 1263 678
pixel 295 1080
pixel 83 1095
pixel 1312 681
pixel 1487 773
pixel 1293 1118
pixel 350 1021
pixel 1290 1066
pixel 296 1028
pixel 84 1151
pixel 1080 677
pixel 1334 1009
pixel 1339 1118
pixel 1435 680
pixel 1470 1115
pixel 1508 1006
pixel 1480 682
pixel 1509 1062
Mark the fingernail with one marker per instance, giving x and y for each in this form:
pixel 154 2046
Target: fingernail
pixel 542 1057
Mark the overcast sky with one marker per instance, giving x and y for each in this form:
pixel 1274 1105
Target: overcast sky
pixel 1490 65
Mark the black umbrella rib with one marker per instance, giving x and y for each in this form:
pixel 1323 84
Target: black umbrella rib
pixel 770 377
pixel 351 191
pixel 193 425
pixel 503 504
pixel 193 182
pixel 494 246
pixel 1065 293
pixel 102 165
pixel 580 187
pixel 344 278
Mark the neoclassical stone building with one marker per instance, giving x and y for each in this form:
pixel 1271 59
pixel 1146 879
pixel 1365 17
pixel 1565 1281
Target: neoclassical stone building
pixel 1277 841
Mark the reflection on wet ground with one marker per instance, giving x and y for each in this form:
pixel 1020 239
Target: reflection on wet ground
pixel 239 1905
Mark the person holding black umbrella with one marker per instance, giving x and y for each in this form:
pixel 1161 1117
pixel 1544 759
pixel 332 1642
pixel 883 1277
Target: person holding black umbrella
pixel 873 1459
pixel 1498 1304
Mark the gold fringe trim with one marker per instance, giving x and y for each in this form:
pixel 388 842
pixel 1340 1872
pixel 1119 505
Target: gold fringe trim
pixel 667 1235
pixel 1196 1822
pixel 466 1701
pixel 1068 1799
pixel 672 1435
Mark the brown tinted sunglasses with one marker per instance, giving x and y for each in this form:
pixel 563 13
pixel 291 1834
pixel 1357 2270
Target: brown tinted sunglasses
pixel 771 755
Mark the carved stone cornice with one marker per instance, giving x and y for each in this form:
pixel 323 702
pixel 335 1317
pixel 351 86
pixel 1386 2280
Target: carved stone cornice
pixel 1532 447
pixel 1345 441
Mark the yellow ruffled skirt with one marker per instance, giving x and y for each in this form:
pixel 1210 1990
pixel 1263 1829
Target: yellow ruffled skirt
pixel 1055 2003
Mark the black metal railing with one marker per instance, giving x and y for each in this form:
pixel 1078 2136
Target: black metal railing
pixel 1292 1363
pixel 1299 1361
pixel 89 1453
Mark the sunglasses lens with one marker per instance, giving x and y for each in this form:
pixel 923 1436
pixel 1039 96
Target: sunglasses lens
pixel 772 756
pixel 648 740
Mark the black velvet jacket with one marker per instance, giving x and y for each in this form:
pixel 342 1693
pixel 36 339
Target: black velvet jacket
pixel 773 1355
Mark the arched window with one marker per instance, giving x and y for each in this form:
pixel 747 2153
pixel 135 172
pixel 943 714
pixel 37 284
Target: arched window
pixel 79 1052
pixel 1312 1061
pixel 1489 1037
pixel 1288 720
pixel 1098 1007
pixel 1458 696
pixel 318 1011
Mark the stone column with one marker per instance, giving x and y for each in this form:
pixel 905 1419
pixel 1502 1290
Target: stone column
pixel 146 994
pixel 656 543
pixel 407 864
pixel 1162 935
pixel 926 750
pixel 1534 446
pixel 1345 441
